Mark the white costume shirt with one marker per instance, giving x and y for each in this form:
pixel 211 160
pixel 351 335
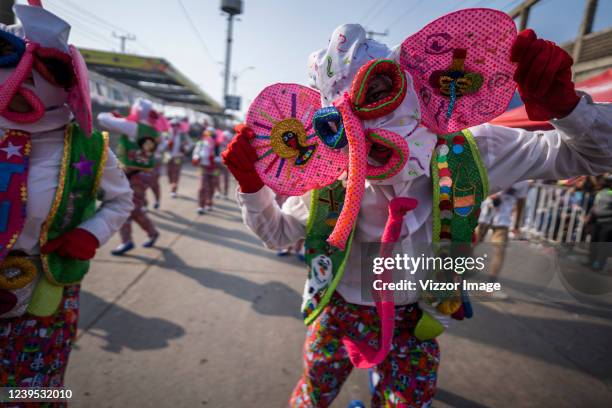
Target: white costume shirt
pixel 580 144
pixel 43 179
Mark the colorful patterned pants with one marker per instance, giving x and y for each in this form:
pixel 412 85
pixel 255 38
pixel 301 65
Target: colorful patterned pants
pixel 152 181
pixel 406 379
pixel 138 182
pixel 174 172
pixel 208 183
pixel 223 180
pixel 34 350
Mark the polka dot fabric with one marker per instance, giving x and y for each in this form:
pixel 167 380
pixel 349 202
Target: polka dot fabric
pixel 487 35
pixel 356 174
pixel 292 160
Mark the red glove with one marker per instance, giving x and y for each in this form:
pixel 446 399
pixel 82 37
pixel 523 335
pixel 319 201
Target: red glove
pixel 78 244
pixel 544 77
pixel 240 158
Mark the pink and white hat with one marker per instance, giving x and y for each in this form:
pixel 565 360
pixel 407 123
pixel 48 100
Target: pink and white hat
pixel 39 47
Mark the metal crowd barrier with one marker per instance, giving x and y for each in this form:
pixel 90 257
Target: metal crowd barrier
pixel 556 214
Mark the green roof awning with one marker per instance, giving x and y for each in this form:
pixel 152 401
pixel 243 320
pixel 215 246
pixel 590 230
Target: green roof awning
pixel 155 76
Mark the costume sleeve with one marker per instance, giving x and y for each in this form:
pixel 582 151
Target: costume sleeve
pixel 197 151
pixel 116 197
pixel 581 143
pixel 276 227
pixel 118 125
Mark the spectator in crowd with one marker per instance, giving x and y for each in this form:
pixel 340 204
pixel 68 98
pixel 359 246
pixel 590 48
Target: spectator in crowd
pixel 496 215
pixel 600 217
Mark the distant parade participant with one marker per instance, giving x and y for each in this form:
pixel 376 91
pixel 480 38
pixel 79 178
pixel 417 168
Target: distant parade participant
pixel 136 151
pixel 152 177
pixel 204 157
pixel 177 144
pixel 223 139
pixel 53 166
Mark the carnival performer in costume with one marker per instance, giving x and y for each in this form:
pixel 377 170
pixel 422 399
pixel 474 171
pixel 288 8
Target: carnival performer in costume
pixel 204 157
pixel 53 168
pixel 397 124
pixel 139 137
pixel 152 177
pixel 223 139
pixel 178 143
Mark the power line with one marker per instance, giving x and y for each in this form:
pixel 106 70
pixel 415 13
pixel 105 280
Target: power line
pixel 85 21
pixel 367 13
pixel 373 16
pixel 405 14
pixel 197 33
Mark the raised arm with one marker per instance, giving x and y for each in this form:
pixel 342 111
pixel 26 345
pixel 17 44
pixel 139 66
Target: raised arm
pixel 276 227
pixel 581 142
pixel 119 125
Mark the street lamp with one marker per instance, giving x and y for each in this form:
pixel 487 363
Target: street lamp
pixel 232 8
pixel 237 75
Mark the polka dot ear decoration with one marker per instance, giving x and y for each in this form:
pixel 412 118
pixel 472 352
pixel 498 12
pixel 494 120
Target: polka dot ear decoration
pixel 291 159
pixel 399 155
pixel 460 65
pixel 364 80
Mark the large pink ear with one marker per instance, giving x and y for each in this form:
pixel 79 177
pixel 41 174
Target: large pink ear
pixel 292 159
pixel 460 64
pixel 78 96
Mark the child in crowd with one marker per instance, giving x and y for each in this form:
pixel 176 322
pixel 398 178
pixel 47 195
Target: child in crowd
pixel 204 157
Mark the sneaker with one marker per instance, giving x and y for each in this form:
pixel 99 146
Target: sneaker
pixel 209 208
pixel 156 205
pixel 173 195
pixel 201 211
pixel 151 241
pixel 282 252
pixel 123 248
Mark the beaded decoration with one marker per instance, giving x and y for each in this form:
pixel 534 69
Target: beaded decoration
pixel 459 186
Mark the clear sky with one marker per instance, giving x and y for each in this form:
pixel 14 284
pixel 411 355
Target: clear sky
pixel 275 36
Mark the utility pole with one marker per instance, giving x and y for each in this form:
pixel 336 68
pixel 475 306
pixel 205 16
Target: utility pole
pixel 6 12
pixel 232 8
pixel 371 34
pixel 123 38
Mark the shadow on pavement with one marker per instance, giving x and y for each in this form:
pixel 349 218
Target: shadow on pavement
pixel 137 333
pixel 456 401
pixel 577 344
pixel 236 239
pixel 271 298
